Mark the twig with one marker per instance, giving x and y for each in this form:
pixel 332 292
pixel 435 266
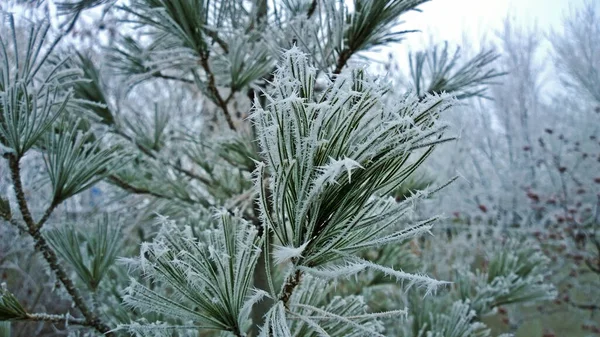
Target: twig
pixel 212 87
pixel 138 190
pixel 133 189
pixel 17 224
pixel 67 319
pixel 342 60
pixel 213 35
pixel 47 214
pixel 91 319
pixel 173 78
pixel 176 167
pixel 591 307
pixel 290 284
pixel 312 8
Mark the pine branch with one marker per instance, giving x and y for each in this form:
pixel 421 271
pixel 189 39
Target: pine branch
pixel 91 319
pixel 172 78
pixel 312 8
pixel 591 307
pixel 47 214
pixel 17 224
pixel 176 167
pixel 212 87
pixel 342 60
pixel 290 284
pixel 136 190
pixel 67 319
pixel 213 35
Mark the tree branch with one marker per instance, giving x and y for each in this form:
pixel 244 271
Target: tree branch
pixel 212 87
pixel 312 8
pixel 47 214
pixel 172 78
pixel 176 167
pixel 91 319
pixel 67 319
pixel 213 35
pixel 342 60
pixel 290 284
pixel 133 189
pixel 591 307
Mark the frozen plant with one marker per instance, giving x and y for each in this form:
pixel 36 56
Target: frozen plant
pixel 239 172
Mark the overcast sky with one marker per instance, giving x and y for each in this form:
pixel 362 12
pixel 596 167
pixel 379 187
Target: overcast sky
pixel 450 19
pixel 466 23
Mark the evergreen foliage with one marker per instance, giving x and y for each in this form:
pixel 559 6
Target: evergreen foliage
pixel 234 172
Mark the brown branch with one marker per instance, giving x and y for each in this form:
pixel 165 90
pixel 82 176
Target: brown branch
pixel 172 78
pixel 342 60
pixel 133 189
pixel 290 284
pixel 213 35
pixel 312 8
pixel 212 87
pixel 143 191
pixel 42 246
pixel 190 174
pixel 47 214
pixel 21 227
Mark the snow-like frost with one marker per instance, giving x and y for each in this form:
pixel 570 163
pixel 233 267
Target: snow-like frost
pixel 284 254
pixel 335 167
pixel 4 150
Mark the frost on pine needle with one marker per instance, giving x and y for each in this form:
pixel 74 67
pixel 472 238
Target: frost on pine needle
pixel 459 322
pixel 4 150
pixel 308 141
pixel 333 158
pixel 358 265
pixel 331 219
pixel 317 309
pixel 208 274
pixel 516 273
pixel 331 171
pixel 282 254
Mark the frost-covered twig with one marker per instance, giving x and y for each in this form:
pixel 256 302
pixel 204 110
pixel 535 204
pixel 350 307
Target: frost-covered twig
pixel 91 318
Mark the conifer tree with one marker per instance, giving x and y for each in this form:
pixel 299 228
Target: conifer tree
pixel 229 168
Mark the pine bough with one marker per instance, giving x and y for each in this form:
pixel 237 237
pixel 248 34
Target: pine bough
pixel 331 160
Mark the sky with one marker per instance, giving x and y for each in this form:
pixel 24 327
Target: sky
pixel 468 23
pixel 452 19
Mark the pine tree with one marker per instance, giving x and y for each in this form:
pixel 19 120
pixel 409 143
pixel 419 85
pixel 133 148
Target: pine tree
pixel 227 168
